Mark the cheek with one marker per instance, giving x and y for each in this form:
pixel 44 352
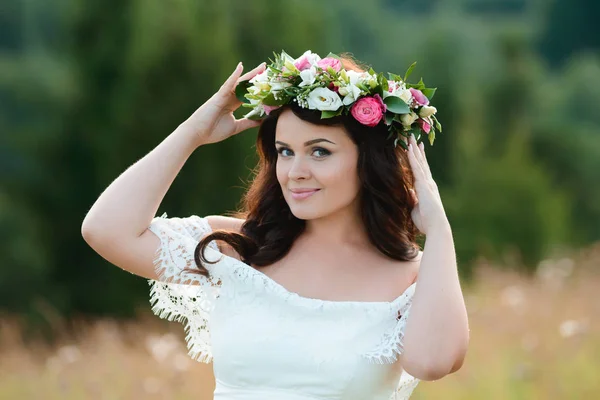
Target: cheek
pixel 281 172
pixel 341 176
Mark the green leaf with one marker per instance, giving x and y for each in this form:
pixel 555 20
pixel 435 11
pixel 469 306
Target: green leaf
pixel 409 71
pixel 330 114
pixel 403 144
pixel 241 89
pixel 333 56
pixel 271 101
pixel 331 71
pixel 431 136
pixel 396 105
pixel 394 77
pixel 429 92
pixel 412 131
pixel 389 118
pixel 382 80
pixel 438 126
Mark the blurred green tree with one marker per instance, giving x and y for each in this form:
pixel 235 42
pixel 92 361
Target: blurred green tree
pixel 88 88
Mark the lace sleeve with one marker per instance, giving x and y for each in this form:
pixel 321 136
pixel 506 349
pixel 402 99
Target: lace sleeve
pixel 182 295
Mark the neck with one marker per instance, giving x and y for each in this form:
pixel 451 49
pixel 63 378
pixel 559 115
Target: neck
pixel 344 227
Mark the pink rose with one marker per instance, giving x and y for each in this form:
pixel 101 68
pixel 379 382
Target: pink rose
pixel 368 110
pixel 330 62
pixel 419 97
pixel 268 109
pixel 424 125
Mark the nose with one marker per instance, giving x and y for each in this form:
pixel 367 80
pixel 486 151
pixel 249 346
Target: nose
pixel 299 169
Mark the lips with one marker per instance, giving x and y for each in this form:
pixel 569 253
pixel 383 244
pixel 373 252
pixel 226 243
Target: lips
pixel 299 194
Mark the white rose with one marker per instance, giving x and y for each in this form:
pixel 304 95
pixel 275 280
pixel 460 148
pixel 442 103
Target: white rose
pixel 308 76
pixel 408 119
pixel 323 99
pixel 427 111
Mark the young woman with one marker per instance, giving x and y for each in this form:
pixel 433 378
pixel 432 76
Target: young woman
pixel 307 293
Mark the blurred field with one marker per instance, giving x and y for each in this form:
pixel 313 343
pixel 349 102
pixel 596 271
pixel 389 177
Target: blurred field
pixel 531 338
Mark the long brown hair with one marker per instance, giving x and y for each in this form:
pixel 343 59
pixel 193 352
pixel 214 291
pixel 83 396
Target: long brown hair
pixel 270 228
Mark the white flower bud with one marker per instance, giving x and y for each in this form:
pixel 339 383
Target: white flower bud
pixel 427 111
pixel 408 119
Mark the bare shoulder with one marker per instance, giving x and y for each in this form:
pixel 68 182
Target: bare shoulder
pixel 217 222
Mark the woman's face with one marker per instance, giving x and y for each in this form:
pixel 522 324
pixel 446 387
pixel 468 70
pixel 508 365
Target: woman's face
pixel 316 167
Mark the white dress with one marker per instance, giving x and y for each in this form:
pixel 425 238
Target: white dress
pixel 267 343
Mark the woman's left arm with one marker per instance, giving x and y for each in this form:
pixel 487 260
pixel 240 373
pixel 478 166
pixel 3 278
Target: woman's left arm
pixel 437 329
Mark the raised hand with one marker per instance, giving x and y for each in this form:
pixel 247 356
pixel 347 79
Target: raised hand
pixel 428 213
pixel 214 120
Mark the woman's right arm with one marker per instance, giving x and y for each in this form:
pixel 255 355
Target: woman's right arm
pixel 116 226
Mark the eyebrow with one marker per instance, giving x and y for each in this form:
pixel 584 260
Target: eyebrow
pixel 307 143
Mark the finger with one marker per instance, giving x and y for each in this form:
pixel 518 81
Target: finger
pixel 229 84
pixel 251 74
pixel 413 140
pixel 416 152
pixel 425 163
pixel 415 164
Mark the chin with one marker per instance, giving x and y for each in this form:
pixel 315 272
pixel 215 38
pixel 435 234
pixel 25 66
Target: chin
pixel 305 212
pixel 306 216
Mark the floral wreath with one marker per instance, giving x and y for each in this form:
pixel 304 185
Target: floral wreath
pixel 322 84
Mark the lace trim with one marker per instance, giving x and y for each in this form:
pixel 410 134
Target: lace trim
pixel 180 295
pixel 406 386
pixel 392 341
pixel 394 314
pixel 247 272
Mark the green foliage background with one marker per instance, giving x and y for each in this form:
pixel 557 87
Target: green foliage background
pixel 88 88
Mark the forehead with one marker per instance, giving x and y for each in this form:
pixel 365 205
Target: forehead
pixel 293 130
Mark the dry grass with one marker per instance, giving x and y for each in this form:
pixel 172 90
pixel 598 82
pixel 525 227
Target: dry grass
pixel 531 338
